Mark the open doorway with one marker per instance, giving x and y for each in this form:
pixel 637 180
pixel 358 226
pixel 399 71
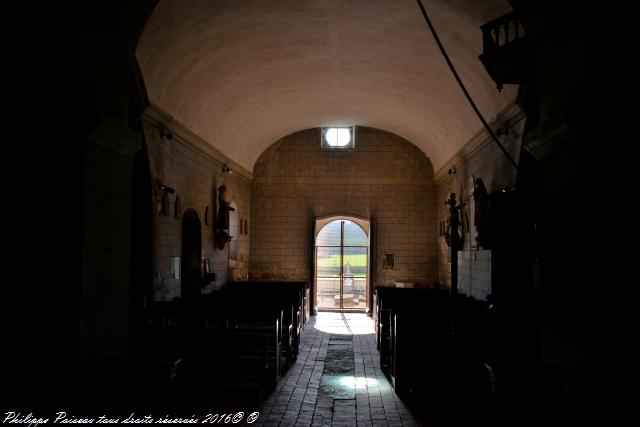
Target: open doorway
pixel 342 264
pixel 191 247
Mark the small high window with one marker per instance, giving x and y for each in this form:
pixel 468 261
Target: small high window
pixel 339 137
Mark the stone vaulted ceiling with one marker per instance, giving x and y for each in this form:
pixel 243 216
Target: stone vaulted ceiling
pixel 242 74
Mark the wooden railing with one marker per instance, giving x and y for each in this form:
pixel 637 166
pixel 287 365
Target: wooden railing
pixel 501 31
pixel 505 53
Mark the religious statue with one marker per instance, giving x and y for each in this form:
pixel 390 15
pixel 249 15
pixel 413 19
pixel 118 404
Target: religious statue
pixel 454 229
pixel 481 217
pixel 222 220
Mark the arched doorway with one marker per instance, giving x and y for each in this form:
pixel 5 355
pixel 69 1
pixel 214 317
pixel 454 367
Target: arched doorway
pixel 234 232
pixel 341 264
pixel 191 247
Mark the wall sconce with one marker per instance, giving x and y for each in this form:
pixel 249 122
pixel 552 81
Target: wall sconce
pixel 452 170
pixel 165 189
pixel 225 169
pixel 166 134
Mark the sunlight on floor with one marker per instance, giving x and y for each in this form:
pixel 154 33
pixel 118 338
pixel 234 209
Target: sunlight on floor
pixel 344 323
pixel 358 382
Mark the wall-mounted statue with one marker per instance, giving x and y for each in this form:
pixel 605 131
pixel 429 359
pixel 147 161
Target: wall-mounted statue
pixel 454 233
pixel 222 220
pixel 481 217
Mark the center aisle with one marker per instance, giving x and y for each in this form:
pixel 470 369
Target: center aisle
pixel 336 380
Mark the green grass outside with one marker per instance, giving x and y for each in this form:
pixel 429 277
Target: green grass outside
pixel 334 260
pixel 356 260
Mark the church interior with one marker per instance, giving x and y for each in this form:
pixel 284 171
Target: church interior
pixel 316 212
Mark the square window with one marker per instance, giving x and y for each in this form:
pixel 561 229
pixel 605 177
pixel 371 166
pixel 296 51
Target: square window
pixel 338 138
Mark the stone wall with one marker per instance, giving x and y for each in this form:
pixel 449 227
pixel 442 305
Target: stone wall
pixel 384 177
pixel 187 164
pixel 480 158
pixel 104 300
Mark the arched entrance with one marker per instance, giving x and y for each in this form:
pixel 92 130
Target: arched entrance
pixel 234 232
pixel 341 264
pixel 191 247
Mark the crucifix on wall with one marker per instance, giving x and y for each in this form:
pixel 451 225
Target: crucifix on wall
pixel 453 237
pixel 222 220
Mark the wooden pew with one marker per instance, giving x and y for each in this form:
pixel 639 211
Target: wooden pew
pixel 301 285
pixel 242 336
pixel 250 314
pixel 239 341
pixel 378 316
pixel 409 320
pixel 421 344
pixel 292 298
pixel 385 298
pixel 163 327
pixel 164 345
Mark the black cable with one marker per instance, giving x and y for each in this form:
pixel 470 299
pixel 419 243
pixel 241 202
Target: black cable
pixel 464 89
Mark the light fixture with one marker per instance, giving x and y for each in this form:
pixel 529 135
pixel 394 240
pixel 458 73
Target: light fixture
pixel 166 134
pixel 166 189
pixel 225 169
pixel 452 170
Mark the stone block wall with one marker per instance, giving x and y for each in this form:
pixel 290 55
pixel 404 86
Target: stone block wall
pixel 183 163
pixel 480 158
pixel 384 177
pixel 104 299
pixel 474 273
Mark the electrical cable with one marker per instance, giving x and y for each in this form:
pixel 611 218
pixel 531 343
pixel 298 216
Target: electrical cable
pixel 464 89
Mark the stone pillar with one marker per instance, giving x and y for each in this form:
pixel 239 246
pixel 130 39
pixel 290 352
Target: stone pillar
pixel 104 303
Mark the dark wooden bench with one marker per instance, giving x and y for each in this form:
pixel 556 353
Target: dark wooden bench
pixel 292 298
pixel 242 336
pixel 420 344
pixel 164 345
pixel 413 329
pixel 230 338
pixel 251 316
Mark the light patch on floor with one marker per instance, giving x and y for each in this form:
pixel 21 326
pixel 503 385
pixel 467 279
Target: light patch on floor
pixel 344 323
pixel 319 392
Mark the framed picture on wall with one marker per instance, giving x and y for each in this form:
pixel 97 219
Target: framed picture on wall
pixel 388 262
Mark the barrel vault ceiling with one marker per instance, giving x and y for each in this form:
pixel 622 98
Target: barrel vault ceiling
pixel 243 74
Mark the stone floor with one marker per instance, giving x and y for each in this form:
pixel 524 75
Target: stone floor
pixel 323 389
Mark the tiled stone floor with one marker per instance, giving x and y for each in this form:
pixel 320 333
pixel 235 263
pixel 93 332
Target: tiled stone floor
pixel 300 400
